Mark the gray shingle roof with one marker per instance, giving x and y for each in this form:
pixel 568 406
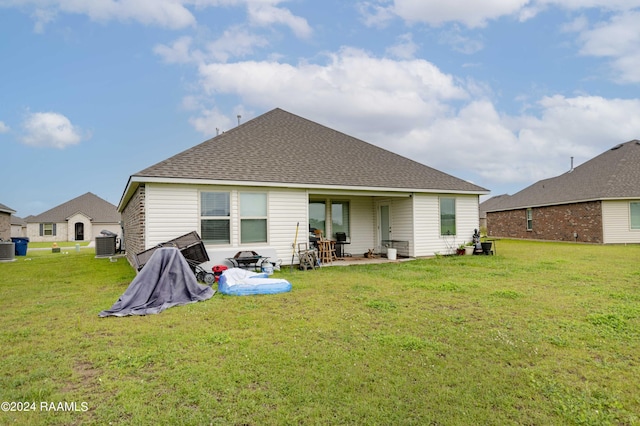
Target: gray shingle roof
pixel 15 220
pixel 280 147
pixel 6 209
pixel 99 210
pixel 613 174
pixel 492 202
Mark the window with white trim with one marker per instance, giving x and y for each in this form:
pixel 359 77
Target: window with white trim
pixel 634 213
pixel 447 216
pixel 253 217
pixel 215 212
pixel 529 220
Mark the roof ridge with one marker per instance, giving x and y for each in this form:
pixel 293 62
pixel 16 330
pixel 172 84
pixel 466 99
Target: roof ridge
pixel 284 148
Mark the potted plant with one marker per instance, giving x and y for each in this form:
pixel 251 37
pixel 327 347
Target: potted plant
pixel 460 250
pixel 468 249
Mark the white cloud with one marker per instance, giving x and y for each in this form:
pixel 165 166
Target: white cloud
pixel 179 52
pixel 3 127
pixel 374 15
pixel 471 13
pixel 379 92
pixel 211 122
pixel 459 42
pixel 234 42
pixel 405 48
pixel 173 14
pixel 525 148
pixel 263 14
pixel 50 129
pixel 614 5
pixel 619 40
pixel 42 17
pixel 165 13
pixel 411 107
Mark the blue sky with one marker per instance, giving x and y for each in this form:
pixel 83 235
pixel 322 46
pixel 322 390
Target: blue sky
pixel 501 93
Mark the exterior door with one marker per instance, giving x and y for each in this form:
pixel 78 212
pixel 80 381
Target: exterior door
pixel 79 231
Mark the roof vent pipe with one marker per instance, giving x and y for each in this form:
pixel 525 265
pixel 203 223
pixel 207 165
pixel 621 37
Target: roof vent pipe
pixel 571 165
pixel 239 117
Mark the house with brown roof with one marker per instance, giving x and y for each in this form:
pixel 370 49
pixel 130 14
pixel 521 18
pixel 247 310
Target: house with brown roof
pixel 596 202
pixel 80 219
pixel 18 226
pixel 251 187
pixel 5 222
pixel 488 205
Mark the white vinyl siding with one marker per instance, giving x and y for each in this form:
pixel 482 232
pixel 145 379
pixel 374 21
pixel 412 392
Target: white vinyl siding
pixel 174 209
pixel 170 211
pixel 467 217
pixel 400 220
pixel 634 213
pixel 616 223
pixel 362 229
pixel 287 208
pixel 428 240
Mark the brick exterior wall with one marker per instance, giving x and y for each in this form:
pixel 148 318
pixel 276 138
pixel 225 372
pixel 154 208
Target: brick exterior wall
pixel 133 218
pixel 552 223
pixel 5 226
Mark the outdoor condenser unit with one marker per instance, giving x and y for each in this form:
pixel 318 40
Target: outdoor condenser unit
pixel 7 251
pixel 106 246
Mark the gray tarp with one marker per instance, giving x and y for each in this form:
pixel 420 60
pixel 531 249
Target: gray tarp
pixel 165 281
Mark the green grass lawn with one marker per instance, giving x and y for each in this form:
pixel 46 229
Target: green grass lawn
pixel 542 334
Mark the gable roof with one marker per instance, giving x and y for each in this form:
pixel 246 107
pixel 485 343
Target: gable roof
pixel 614 174
pixel 5 209
pixel 15 220
pixel 491 203
pixel 282 148
pixel 89 204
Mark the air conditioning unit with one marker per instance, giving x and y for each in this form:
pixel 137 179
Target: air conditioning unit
pixel 105 246
pixel 7 251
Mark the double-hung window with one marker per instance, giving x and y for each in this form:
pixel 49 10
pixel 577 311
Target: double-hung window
pixel 447 216
pixel 529 219
pixel 253 217
pixel 47 229
pixel 634 211
pixel 215 214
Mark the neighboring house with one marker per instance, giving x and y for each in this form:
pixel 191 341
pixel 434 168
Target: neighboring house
pixel 250 187
pixel 488 205
pixel 5 222
pixel 18 226
pixel 596 202
pixel 81 219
